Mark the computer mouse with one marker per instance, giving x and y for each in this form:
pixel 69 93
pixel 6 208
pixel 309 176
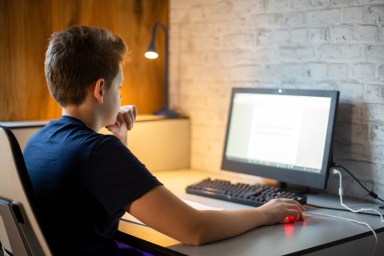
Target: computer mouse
pixel 289 219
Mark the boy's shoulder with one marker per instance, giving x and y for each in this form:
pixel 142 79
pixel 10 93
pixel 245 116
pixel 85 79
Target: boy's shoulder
pixel 70 132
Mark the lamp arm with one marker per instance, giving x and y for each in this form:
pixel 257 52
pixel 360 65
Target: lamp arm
pixel 166 81
pixel 166 111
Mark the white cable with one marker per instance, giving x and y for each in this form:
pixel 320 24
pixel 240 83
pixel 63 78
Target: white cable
pixel 351 220
pixel 341 193
pixel 355 211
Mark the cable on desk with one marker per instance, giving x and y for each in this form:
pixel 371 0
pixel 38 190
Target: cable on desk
pixel 341 193
pixel 340 209
pixel 351 220
pixel 370 192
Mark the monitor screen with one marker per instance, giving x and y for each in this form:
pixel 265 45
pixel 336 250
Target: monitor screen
pixel 282 134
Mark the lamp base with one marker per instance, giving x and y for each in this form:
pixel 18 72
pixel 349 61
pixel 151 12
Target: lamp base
pixel 167 113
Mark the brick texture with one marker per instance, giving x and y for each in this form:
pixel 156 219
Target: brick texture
pixel 323 44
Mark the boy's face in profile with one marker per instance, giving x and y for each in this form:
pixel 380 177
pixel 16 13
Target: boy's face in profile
pixel 112 98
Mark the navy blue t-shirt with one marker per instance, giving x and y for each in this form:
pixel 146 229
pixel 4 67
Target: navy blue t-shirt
pixel 82 180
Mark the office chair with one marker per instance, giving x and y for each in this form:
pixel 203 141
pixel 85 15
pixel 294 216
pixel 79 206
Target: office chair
pixel 20 233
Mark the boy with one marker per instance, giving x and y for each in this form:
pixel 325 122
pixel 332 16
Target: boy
pixel 85 181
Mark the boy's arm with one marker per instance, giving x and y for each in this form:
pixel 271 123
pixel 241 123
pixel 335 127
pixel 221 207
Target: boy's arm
pixel 163 211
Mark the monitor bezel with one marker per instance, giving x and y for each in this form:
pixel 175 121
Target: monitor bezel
pixel 289 176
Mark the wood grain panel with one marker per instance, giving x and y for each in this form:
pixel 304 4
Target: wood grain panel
pixel 26 26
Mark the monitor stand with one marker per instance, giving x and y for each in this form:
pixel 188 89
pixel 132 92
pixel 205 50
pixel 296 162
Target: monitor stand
pixel 297 189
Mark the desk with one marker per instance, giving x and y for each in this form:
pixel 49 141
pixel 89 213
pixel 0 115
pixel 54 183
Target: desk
pixel 317 235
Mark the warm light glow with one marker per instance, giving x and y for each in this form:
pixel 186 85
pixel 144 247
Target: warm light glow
pixel 151 55
pixel 289 230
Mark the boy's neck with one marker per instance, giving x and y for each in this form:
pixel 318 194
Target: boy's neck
pixel 86 115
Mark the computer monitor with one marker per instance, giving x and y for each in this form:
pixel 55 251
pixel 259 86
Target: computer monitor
pixel 281 134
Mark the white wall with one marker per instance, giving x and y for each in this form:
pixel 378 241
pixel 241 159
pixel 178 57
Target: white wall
pixel 319 44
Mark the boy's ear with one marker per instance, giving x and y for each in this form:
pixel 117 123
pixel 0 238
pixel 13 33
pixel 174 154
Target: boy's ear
pixel 99 90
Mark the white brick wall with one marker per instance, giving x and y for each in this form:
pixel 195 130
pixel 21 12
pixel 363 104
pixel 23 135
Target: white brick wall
pixel 317 44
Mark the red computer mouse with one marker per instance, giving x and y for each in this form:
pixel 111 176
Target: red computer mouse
pixel 289 219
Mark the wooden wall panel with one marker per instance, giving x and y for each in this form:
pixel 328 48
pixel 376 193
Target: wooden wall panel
pixel 26 26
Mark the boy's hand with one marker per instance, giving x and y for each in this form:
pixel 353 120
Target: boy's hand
pixel 277 210
pixel 124 122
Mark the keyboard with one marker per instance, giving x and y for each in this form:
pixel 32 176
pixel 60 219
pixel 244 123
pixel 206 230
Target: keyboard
pixel 253 195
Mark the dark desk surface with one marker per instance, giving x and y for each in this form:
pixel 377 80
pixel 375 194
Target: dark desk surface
pixel 316 234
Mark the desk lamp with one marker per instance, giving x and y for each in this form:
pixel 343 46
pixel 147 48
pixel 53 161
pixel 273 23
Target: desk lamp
pixel 152 54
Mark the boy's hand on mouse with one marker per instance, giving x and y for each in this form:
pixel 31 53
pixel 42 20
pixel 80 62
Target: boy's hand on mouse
pixel 277 210
pixel 124 122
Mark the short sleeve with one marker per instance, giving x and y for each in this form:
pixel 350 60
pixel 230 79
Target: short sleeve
pixel 114 176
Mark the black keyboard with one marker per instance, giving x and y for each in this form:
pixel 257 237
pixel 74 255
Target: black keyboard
pixel 253 195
